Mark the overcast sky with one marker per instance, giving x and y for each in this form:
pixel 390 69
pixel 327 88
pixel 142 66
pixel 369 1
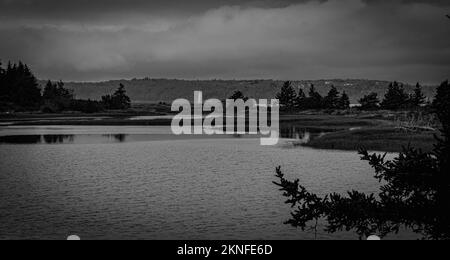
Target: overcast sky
pixel 91 40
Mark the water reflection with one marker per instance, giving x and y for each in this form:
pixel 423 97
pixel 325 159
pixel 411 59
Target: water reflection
pixel 117 137
pixel 21 139
pixel 286 132
pixel 58 139
pixel 62 139
pixel 37 139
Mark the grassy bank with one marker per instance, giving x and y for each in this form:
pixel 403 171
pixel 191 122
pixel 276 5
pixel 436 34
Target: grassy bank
pixel 385 131
pixel 386 139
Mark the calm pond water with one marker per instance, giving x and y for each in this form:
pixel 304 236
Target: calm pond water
pixel 142 183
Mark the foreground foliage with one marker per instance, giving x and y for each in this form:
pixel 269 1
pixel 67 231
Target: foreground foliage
pixel 415 192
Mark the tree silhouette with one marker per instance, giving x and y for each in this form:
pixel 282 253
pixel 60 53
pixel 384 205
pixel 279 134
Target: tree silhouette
pixel 300 101
pixel 119 100
pixel 415 192
pixel 56 90
pixel 370 102
pixel 395 98
pixel 417 99
pixel 56 97
pixel 442 97
pixel 287 97
pixel 336 101
pixel 331 101
pixel 344 101
pixel 19 86
pixel 315 100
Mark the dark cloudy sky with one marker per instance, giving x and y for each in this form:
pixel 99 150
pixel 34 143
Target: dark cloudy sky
pixel 407 40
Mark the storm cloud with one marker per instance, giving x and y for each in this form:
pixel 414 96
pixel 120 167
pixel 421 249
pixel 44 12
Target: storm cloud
pixel 405 40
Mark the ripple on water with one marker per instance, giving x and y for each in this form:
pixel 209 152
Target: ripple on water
pixel 182 189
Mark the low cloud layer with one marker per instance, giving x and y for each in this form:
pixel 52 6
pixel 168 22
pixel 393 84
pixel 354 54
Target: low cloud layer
pixel 286 39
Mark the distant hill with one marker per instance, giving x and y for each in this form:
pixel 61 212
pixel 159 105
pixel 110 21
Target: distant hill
pixel 166 90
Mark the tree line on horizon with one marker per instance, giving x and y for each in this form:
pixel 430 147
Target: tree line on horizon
pixel 396 98
pixel 291 101
pixel 20 91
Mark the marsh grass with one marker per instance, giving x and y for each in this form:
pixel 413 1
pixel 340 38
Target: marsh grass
pixel 418 121
pixel 384 139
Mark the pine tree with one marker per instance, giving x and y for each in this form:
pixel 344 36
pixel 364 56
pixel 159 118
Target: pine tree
pixel 441 105
pixel 331 101
pixel 56 97
pixel 370 102
pixel 417 99
pixel 395 98
pixel 442 98
pixel 20 86
pixel 344 101
pixel 49 91
pixel 30 89
pixel 300 100
pixel 119 100
pixel 315 100
pixel 287 97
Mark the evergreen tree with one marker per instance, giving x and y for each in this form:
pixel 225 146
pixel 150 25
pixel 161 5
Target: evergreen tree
pixel 344 101
pixel 57 90
pixel 315 100
pixel 287 97
pixel 442 97
pixel 395 98
pixel 332 100
pixel 441 105
pixel 417 99
pixel 370 102
pixel 56 97
pixel 21 87
pixel 120 96
pixel 49 91
pixel 119 100
pixel 300 100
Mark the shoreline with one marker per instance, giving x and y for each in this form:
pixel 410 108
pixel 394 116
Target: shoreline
pixel 376 131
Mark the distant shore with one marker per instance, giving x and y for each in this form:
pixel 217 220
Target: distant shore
pixel 379 131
